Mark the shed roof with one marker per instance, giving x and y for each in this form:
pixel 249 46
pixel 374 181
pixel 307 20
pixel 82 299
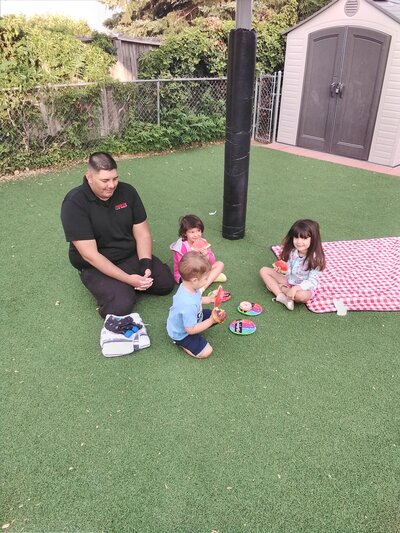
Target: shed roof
pixel 140 40
pixel 390 7
pixel 122 37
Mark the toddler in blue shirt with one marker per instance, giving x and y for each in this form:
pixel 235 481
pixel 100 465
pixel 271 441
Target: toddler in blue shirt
pixel 187 320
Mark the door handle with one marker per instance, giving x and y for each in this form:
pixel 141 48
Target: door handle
pixel 341 88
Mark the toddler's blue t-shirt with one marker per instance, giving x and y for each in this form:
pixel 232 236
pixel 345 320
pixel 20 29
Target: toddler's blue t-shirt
pixel 184 312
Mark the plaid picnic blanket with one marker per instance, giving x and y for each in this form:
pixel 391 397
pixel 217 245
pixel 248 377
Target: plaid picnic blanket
pixel 365 274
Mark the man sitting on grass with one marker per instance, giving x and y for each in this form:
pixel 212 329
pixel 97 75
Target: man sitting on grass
pixel 106 225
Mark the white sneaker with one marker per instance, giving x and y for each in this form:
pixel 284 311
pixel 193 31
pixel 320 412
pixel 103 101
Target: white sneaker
pixel 282 299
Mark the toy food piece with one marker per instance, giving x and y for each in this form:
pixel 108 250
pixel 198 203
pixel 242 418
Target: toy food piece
pixel 219 315
pixel 219 297
pixel 281 266
pixel 254 310
pixel 200 244
pixel 225 297
pixel 245 306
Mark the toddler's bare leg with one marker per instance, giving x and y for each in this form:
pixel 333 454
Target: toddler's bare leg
pixel 203 354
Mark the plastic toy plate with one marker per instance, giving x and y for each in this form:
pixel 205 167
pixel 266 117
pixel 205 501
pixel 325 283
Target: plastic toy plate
pixel 244 326
pixel 256 309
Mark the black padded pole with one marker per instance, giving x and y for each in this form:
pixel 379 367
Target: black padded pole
pixel 239 106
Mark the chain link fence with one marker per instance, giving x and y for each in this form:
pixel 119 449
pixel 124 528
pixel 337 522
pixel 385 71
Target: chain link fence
pixel 56 124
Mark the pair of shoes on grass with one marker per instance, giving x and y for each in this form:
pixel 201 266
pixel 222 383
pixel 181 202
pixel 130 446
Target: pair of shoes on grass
pixel 284 300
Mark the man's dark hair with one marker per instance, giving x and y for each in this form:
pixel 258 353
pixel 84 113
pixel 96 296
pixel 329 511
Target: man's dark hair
pixel 101 161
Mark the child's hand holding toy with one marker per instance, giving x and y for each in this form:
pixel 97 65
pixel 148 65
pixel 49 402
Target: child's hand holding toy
pixel 281 267
pixel 218 315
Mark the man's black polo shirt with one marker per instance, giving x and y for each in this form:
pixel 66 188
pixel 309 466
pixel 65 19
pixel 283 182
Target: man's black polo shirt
pixel 86 217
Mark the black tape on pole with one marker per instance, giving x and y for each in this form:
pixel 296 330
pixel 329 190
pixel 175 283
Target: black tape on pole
pixel 239 106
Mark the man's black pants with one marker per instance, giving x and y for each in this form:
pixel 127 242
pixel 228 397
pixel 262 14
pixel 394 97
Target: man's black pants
pixel 117 298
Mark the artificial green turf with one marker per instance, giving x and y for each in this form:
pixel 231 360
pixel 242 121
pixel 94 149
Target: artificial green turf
pixel 292 429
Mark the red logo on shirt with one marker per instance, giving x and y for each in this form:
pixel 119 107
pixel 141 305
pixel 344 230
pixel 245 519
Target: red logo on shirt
pixel 121 206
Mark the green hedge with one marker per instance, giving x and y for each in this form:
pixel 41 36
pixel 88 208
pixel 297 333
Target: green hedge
pixel 138 137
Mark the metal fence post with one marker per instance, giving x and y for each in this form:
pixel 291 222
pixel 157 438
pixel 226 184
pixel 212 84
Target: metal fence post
pixel 277 100
pixel 255 109
pixel 158 103
pixel 272 103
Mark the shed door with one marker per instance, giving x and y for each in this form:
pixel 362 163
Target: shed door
pixel 343 80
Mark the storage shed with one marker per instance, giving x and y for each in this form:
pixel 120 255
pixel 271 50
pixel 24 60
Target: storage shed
pixel 128 51
pixel 341 85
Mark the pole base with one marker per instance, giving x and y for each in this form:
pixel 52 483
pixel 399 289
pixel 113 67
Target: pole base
pixel 232 233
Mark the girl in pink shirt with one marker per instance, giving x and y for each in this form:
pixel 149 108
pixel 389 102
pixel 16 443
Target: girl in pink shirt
pixel 191 230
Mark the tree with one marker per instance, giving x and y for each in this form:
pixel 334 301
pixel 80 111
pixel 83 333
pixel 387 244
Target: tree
pixel 162 17
pixel 200 50
pixel 151 18
pixel 40 50
pixel 195 32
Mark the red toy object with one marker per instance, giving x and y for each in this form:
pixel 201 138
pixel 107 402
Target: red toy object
pixel 219 315
pixel 281 266
pixel 219 297
pixel 225 297
pixel 200 244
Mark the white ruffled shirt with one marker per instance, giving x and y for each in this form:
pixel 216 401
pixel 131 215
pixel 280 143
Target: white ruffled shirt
pixel 298 273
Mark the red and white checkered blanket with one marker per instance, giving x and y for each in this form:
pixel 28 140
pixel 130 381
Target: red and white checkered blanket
pixel 365 274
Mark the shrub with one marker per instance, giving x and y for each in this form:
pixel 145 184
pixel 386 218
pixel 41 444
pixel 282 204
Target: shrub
pixel 53 127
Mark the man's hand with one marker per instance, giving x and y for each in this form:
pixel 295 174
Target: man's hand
pixel 89 252
pixel 141 283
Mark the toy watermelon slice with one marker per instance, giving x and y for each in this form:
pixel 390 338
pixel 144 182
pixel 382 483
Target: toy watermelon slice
pixel 225 297
pixel 281 266
pixel 200 244
pixel 219 298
